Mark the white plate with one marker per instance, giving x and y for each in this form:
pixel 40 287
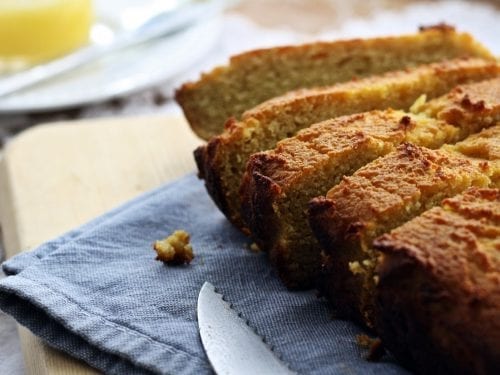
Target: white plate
pixel 121 73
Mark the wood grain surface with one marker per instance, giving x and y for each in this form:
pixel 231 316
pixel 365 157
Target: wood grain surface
pixel 55 177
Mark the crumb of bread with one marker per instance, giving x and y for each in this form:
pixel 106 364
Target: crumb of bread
pixel 254 247
pixel 355 268
pixel 419 103
pixel 174 249
pixel 358 268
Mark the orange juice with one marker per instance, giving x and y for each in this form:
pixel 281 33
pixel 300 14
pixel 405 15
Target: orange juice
pixel 32 31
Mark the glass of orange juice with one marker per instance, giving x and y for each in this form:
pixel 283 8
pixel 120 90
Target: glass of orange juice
pixel 33 31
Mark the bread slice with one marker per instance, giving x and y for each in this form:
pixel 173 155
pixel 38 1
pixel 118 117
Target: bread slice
pixel 383 195
pixel 279 183
pixel 255 76
pixel 438 295
pixel 222 161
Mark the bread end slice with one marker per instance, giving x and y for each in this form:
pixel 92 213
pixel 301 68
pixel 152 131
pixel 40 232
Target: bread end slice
pixel 438 295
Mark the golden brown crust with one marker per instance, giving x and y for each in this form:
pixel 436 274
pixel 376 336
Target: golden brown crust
pixel 293 100
pixel 256 76
pixel 222 161
pixel 272 178
pixel 206 161
pixel 260 189
pixel 376 199
pixel 387 193
pixel 377 192
pixel 472 106
pixel 293 157
pixel 483 146
pixel 439 286
pixel 278 183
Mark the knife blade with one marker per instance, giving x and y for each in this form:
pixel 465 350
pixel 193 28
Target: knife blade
pixel 232 346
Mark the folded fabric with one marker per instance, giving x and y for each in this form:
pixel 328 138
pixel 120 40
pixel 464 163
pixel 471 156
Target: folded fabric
pixel 98 294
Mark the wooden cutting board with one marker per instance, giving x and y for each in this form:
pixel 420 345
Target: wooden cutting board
pixel 57 176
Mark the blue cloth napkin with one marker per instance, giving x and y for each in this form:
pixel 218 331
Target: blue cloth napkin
pixel 98 294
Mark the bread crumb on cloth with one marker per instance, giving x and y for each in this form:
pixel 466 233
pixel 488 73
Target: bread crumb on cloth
pixel 174 249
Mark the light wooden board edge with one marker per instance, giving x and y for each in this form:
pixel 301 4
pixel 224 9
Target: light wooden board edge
pixel 57 176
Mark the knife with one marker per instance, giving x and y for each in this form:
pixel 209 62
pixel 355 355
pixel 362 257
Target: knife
pixel 231 345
